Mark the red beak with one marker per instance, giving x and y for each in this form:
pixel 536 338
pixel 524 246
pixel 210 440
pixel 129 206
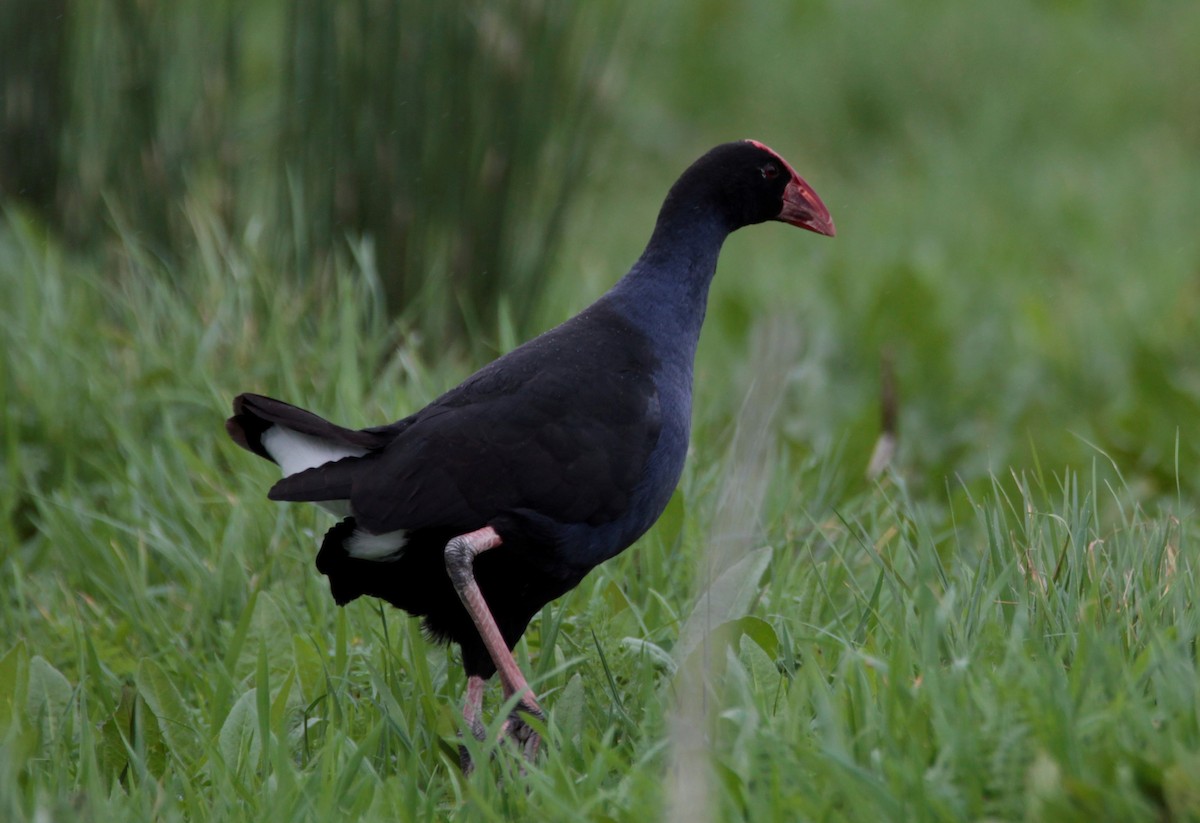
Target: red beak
pixel 802 207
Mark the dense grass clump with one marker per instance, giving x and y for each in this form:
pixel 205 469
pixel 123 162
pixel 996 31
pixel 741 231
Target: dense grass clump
pixel 390 126
pixel 1000 626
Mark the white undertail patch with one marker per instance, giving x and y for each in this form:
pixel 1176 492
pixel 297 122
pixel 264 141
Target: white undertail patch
pixel 367 546
pixel 296 452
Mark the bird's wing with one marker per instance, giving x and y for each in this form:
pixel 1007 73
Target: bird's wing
pixel 563 426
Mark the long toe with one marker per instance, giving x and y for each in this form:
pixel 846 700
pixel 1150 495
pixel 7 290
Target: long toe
pixel 523 735
pixel 479 732
pixel 529 748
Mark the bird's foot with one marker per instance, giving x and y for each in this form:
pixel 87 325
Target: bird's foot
pixel 524 736
pixel 479 732
pixel 515 728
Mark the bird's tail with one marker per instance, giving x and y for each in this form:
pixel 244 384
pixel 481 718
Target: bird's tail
pixel 257 422
pixel 318 458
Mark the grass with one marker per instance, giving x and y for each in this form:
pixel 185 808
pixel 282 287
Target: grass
pixel 1002 627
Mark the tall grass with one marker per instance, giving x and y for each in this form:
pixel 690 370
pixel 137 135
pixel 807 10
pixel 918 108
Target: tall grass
pixel 446 137
pixel 453 135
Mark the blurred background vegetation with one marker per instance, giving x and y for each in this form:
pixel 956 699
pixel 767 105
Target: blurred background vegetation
pixel 446 136
pixel 352 205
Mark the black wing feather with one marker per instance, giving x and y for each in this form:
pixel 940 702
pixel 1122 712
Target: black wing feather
pixel 541 429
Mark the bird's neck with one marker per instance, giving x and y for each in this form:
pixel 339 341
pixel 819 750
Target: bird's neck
pixel 666 292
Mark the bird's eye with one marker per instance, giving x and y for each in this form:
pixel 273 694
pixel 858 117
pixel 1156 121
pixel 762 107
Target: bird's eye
pixel 770 171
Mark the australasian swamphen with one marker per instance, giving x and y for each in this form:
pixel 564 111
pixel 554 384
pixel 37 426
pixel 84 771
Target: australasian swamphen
pixel 503 493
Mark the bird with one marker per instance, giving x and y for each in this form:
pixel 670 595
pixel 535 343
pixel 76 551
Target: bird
pixel 503 493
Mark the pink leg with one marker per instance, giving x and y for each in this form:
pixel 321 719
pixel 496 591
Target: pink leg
pixel 474 706
pixel 460 563
pixel 472 711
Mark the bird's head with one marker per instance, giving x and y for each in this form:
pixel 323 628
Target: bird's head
pixel 750 183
